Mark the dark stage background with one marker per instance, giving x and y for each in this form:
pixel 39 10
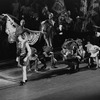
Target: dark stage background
pixel 8 51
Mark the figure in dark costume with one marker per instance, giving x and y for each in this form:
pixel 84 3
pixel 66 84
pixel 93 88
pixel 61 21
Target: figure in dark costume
pixel 47 53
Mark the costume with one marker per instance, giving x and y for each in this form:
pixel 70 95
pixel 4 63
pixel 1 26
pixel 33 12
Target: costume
pixel 93 50
pixel 22 53
pixel 48 52
pixel 33 59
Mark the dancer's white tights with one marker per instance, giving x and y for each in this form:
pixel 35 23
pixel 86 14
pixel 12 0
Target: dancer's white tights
pixel 24 73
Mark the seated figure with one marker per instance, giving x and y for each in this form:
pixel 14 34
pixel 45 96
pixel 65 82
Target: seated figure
pixel 93 50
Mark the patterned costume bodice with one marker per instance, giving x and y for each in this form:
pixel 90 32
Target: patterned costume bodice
pixel 19 30
pixel 21 47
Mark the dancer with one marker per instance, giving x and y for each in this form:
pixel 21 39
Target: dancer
pixel 47 53
pixel 33 60
pixel 19 30
pixel 25 53
pixel 93 50
pixel 23 50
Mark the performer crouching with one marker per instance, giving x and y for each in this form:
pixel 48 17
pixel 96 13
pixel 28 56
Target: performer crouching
pixel 47 53
pixel 93 50
pixel 33 60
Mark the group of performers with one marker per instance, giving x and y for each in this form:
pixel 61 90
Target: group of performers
pixel 26 55
pixel 72 51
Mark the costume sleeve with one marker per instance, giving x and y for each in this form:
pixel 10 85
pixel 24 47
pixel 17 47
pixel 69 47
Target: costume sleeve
pixel 28 49
pixel 96 47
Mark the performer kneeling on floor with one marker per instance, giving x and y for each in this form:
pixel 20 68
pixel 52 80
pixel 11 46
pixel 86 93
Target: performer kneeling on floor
pixel 33 60
pixel 47 53
pixel 93 50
